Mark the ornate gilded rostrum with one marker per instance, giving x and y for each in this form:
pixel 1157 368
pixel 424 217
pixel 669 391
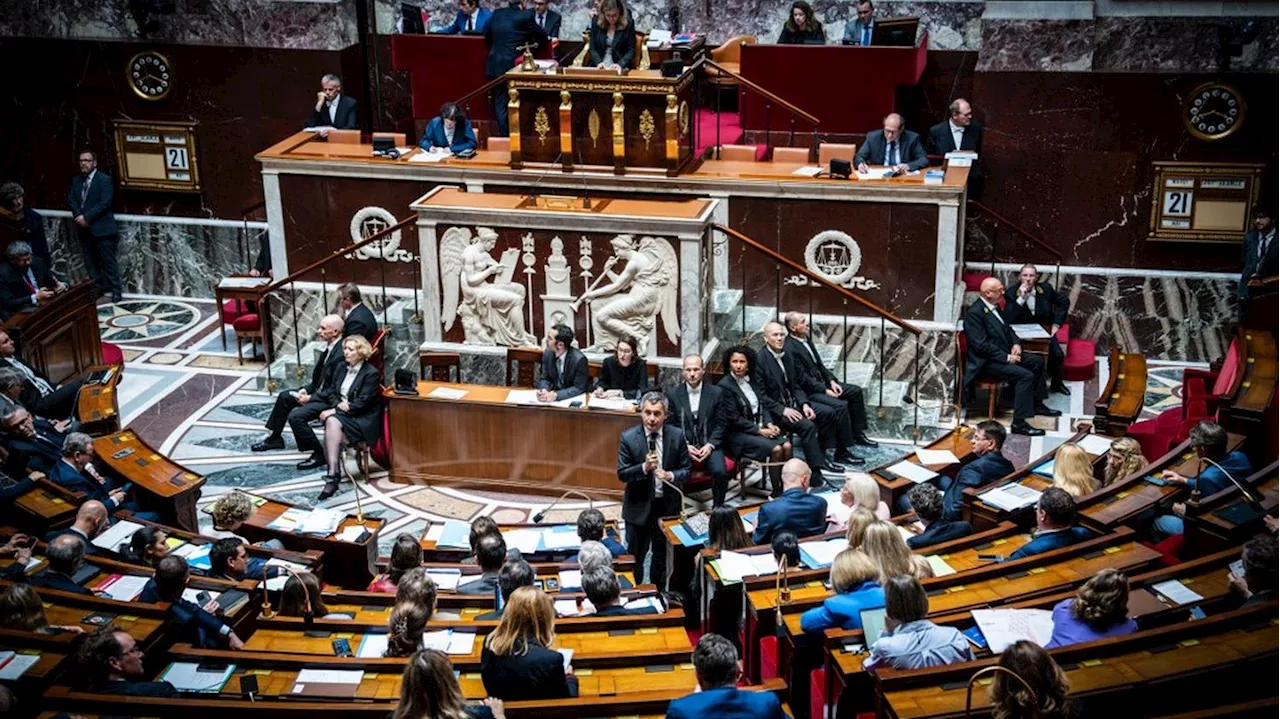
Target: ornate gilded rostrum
pixel 684 119
pixel 593 127
pixel 541 123
pixel 646 127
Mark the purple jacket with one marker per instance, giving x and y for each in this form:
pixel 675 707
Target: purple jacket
pixel 1067 629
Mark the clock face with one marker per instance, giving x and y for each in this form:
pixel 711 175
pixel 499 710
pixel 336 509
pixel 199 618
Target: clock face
pixel 1213 111
pixel 150 75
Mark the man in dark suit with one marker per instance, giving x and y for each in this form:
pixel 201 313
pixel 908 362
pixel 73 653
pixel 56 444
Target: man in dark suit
pixel 546 18
pixel 600 584
pixel 25 280
pixel 862 30
pixel 926 501
pixel 828 390
pixel 781 391
pixel 491 553
pixel 960 132
pixel 190 623
pixel 695 409
pixel 564 367
pixel 1258 257
pixel 994 351
pixel 90 202
pixel 1035 302
pixel 65 555
pixel 653 460
pixel 795 510
pixel 33 443
pixel 70 472
pixel 715 661
pixel 333 110
pixel 470 20
pixel 91 519
pixel 262 265
pixel 508 29
pixel 357 318
pixel 515 573
pixel 991 464
pixel 39 395
pixel 892 147
pixel 113 664
pixel 297 404
pixel 11 488
pixel 1055 525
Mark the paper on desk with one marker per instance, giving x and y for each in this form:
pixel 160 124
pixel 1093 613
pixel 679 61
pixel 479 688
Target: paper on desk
pixel 522 396
pixel 567 656
pixel 445 578
pixel 117 534
pixel 186 677
pixel 1030 331
pixel 372 646
pixel 526 540
pixel 1176 591
pixel 124 588
pixel 350 534
pixel 570 578
pixel 764 563
pixel 429 157
pixel 434 532
pixel 290 520
pixel 1010 497
pixel 437 640
pixel 912 471
pixel 904 532
pixel 322 522
pixel 192 595
pixel 454 535
pixel 286 564
pixel 960 158
pixel 447 393
pixel 874 173
pixel 639 602
pixel 936 456
pixel 819 554
pixel 808 170
pixel 837 512
pixel 461 643
pixel 621 405
pixel 330 676
pixel 566 608
pixel 658 37
pixel 1004 627
pixel 939 566
pixel 733 566
pixel 562 537
pixel 16 665
pixel 242 283
pixel 1095 444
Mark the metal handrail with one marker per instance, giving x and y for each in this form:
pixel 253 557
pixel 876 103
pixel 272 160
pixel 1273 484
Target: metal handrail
pixel 761 90
pixel 482 89
pixel 377 236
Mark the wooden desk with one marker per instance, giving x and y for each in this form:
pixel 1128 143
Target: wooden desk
pixel 1226 518
pixel 60 338
pixel 455 555
pixel 173 488
pixel 346 564
pixel 98 405
pixel 982 515
pixel 224 291
pixel 958 442
pixel 311 559
pixel 1120 402
pixel 47 506
pixel 1251 410
pixel 480 440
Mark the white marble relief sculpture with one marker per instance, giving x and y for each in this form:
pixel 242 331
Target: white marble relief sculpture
pixel 369 221
pixel 634 299
pixel 491 312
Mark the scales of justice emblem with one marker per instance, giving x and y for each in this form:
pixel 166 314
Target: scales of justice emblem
pixel 369 221
pixel 836 257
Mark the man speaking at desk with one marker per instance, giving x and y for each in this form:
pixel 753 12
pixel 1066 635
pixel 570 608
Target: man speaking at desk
pixel 333 110
pixel 653 460
pixel 892 147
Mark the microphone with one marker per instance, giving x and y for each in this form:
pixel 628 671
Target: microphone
pixel 537 518
pixel 1248 495
pixel 308 616
pixel 533 195
pixel 783 590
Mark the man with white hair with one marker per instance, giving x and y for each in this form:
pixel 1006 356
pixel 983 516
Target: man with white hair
pixel 333 110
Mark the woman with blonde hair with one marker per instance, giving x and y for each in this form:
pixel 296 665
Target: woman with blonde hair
pixel 408 622
pixel 1042 693
pixel 886 547
pixel 353 399
pixel 518 662
pixel 21 609
pixel 1073 470
pixel 1099 610
pixel 613 42
pixel 429 690
pixel 859 490
pixel 1123 459
pixel 853 577
pixel 859 519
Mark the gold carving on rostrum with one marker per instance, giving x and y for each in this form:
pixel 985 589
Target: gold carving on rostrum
pixel 541 124
pixel 646 127
pixel 593 127
pixel 684 119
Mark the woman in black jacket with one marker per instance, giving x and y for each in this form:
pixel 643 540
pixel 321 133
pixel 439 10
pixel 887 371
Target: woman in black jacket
pixel 802 28
pixel 517 663
pixel 623 373
pixel 750 431
pixel 354 399
pixel 613 41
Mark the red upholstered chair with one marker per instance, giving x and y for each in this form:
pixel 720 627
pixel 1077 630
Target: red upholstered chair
pixel 817 691
pixel 700 479
pixel 992 386
pixel 248 327
pixel 230 311
pixel 1202 393
pixel 111 354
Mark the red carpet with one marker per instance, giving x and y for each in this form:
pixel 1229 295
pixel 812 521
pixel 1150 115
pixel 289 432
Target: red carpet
pixel 730 128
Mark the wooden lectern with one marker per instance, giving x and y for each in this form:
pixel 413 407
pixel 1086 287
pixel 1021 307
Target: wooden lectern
pixel 598 119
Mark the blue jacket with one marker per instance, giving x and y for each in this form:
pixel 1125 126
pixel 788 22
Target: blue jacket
pixel 196 626
pixel 66 476
pixel 939 532
pixel 1051 541
pixel 843 610
pixel 796 510
pixel 460 22
pixel 464 138
pixel 985 469
pixel 1212 480
pixel 727 703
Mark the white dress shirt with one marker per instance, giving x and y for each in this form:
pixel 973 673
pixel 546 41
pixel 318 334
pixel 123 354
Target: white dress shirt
pixel 744 384
pixel 695 398
pixel 1028 300
pixel 957 133
pixel 778 356
pixel 352 371
pixel 35 379
pixel 994 309
pixel 333 108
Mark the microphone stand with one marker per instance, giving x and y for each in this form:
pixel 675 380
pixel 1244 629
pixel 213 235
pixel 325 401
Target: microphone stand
pixel 783 590
pixel 684 513
pixel 268 611
pixel 537 518
pixel 1248 495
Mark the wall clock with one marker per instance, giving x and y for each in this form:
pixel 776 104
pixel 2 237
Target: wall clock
pixel 1213 111
pixel 150 75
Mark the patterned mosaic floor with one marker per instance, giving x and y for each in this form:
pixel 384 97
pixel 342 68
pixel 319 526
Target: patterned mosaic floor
pixel 197 402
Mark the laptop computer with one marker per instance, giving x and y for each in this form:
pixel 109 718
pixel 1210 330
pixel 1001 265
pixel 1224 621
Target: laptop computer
pixel 872 624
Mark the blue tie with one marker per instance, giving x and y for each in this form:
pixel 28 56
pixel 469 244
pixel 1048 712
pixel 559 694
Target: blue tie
pixel 891 158
pixel 866 34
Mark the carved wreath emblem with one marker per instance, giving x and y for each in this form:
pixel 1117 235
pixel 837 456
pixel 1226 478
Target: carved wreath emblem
pixel 541 124
pixel 646 127
pixel 369 221
pixel 835 256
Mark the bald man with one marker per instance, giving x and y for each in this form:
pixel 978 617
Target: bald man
pixel 795 510
pixel 296 405
pixel 90 520
pixel 65 555
pixel 993 351
pixel 893 147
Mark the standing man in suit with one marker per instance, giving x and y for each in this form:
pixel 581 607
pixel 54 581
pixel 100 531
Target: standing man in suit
pixel 564 367
pixel 781 390
pixel 333 110
pixel 546 18
pixel 90 202
pixel 291 403
pixel 828 390
pixel 863 29
pixel 994 351
pixel 1258 257
pixel 510 28
pixel 795 511
pixel 357 318
pixel 1035 302
pixel 653 460
pixel 39 395
pixel 991 464
pixel 470 20
pixel 715 662
pixel 695 409
pixel 960 132
pixel 893 147
pixel 25 280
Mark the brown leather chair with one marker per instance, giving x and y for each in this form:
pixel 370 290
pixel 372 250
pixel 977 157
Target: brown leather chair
pixel 828 150
pixel 445 366
pixel 791 154
pixel 396 137
pixel 728 56
pixel 347 137
pixel 499 144
pixel 639 59
pixel 739 153
pixel 526 361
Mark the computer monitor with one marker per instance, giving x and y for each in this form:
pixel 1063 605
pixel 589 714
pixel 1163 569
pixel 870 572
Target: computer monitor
pixel 895 32
pixel 411 15
pixel 872 624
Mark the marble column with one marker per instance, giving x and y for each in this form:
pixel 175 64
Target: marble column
pixel 692 302
pixel 275 223
pixel 429 256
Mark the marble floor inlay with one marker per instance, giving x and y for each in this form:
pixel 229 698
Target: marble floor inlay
pixel 145 319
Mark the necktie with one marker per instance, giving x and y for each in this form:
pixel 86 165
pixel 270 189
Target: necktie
pixel 31 280
pixel 84 191
pixel 542 19
pixel 866 34
pixel 1262 248
pixel 892 158
pixel 656 440
pixel 471 23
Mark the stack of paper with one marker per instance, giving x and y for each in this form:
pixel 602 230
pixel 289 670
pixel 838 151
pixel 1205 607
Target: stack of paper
pixel 640 602
pixel 566 608
pixel 450 641
pixel 570 579
pixel 913 471
pixel 819 554
pixel 566 655
pixel 372 646
pixel 808 170
pixel 1178 592
pixel 453 535
pixel 290 520
pixel 527 541
pixel 1094 444
pixel 733 566
pixel 321 522
pixel 1030 332
pixel 447 393
pixel 939 566
pixel 197 555
pixel 242 283
pixel 933 457
pixel 122 587
pixel 429 156
pixel 119 533
pixel 350 534
pixel 522 396
pixel 618 405
pixel 187 677
pixel 326 676
pixel 446 579
pixel 1010 497
pixel 14 665
pixel 1004 627
pixel 564 536
pixel 837 512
